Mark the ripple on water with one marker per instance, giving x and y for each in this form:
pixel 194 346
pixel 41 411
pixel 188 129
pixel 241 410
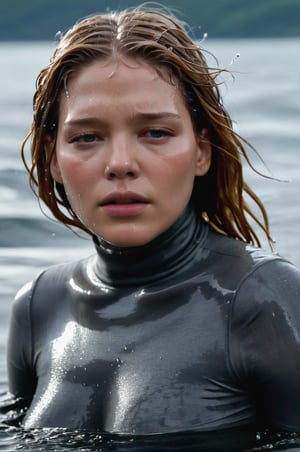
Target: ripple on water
pixel 62 440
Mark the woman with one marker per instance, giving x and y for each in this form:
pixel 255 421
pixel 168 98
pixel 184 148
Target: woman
pixel 179 322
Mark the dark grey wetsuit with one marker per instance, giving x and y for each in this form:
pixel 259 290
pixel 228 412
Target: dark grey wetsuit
pixel 193 331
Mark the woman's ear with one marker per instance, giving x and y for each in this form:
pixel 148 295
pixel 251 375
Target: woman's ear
pixel 54 166
pixel 204 153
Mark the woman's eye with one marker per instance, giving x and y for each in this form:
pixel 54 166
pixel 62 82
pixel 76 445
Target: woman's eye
pixel 157 133
pixel 85 138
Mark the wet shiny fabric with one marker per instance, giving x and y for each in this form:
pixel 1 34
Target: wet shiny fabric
pixel 193 331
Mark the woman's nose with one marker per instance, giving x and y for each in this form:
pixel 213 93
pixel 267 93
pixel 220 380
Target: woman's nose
pixel 121 160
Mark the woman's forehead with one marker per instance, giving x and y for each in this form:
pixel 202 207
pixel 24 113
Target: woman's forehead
pixel 127 82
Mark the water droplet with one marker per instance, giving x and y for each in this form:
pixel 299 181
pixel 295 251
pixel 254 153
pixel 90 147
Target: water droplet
pixel 59 35
pixel 119 362
pixel 235 58
pixel 204 37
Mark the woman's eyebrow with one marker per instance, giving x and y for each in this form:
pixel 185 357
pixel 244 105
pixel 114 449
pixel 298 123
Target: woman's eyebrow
pixel 141 116
pixel 84 121
pixel 159 115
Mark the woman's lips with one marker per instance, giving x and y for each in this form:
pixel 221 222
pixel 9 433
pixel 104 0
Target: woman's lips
pixel 124 204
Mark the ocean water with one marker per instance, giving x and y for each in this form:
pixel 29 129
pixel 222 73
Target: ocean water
pixel 264 101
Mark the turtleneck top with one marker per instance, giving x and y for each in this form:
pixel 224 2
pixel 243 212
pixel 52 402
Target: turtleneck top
pixel 193 331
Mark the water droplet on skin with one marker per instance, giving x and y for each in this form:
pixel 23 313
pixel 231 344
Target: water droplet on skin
pixel 119 362
pixel 128 348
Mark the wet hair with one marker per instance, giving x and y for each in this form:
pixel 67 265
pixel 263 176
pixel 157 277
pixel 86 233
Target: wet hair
pixel 159 39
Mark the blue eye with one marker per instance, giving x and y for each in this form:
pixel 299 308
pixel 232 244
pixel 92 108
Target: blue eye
pixel 87 138
pixel 157 133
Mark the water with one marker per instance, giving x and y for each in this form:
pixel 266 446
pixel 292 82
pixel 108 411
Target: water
pixel 264 103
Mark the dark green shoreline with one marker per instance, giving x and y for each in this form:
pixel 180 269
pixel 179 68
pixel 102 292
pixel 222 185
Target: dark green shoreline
pixel 41 19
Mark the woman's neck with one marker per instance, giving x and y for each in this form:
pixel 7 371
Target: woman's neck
pixel 159 259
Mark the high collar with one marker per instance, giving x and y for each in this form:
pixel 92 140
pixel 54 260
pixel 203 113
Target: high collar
pixel 159 259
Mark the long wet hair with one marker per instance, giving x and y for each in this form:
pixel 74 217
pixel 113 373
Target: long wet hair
pixel 159 39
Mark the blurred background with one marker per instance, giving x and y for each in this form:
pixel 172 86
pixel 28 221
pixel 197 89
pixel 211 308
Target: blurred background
pixel 39 20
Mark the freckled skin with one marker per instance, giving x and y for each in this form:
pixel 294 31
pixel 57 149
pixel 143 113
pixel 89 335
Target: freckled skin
pixel 122 128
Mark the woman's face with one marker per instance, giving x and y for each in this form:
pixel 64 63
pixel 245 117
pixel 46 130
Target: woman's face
pixel 126 151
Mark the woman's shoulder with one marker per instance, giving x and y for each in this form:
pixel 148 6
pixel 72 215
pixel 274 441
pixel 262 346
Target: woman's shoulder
pixel 238 263
pixel 242 254
pixel 262 279
pixel 49 282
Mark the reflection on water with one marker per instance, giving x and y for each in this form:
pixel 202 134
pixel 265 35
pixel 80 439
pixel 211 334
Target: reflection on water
pixel 60 440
